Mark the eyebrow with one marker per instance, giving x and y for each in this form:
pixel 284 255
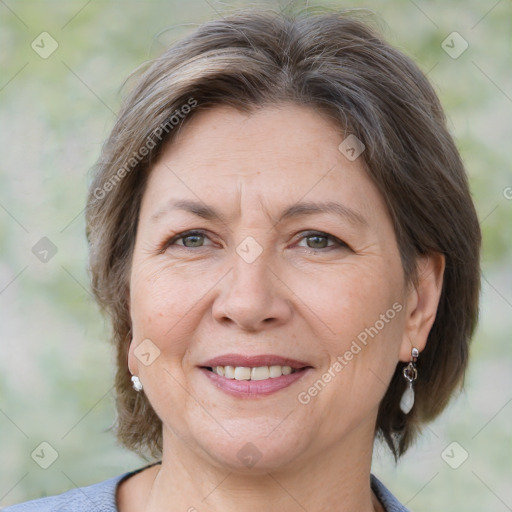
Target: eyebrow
pixel 296 210
pixel 312 208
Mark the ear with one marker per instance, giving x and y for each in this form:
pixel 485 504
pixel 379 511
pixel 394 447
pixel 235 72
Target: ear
pixel 422 301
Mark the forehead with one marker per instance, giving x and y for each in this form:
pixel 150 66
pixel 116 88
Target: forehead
pixel 276 154
pixel 288 130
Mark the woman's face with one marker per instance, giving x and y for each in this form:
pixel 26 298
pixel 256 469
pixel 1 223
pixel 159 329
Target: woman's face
pixel 260 244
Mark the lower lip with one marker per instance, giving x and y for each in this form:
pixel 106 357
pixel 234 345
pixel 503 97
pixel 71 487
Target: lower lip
pixel 253 388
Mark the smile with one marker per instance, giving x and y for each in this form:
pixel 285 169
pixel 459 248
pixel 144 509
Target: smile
pixel 254 373
pixel 253 376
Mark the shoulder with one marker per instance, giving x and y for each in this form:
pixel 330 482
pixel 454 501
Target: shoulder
pixel 100 497
pixel 389 502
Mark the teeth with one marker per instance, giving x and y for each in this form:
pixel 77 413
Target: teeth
pixel 275 371
pixel 286 370
pixel 256 373
pixel 260 373
pixel 242 373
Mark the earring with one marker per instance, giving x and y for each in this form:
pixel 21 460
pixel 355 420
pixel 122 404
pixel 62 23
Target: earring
pixel 411 374
pixel 137 384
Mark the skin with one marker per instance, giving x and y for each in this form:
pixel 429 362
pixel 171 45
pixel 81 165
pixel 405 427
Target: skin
pixel 303 297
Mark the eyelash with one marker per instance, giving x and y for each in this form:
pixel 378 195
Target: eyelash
pixel 304 235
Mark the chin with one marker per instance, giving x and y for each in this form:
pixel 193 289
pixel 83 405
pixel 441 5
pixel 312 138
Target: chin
pixel 254 451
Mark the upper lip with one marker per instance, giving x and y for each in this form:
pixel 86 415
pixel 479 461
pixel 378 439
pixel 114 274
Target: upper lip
pixel 254 361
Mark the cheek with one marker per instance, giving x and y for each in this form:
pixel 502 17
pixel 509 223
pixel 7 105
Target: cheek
pixel 168 301
pixel 360 321
pixel 372 324
pixel 364 313
pixel 347 300
pixel 162 306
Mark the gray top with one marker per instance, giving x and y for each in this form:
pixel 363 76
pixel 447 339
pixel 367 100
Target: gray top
pixel 101 497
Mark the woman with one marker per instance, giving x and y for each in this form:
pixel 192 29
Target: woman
pixel 281 230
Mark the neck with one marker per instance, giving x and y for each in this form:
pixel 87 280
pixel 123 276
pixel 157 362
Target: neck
pixel 336 479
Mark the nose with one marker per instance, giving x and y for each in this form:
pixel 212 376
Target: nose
pixel 252 297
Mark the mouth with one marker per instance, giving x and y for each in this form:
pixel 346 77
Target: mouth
pixel 252 373
pixel 253 376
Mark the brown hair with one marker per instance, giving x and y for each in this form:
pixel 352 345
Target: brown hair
pixel 336 64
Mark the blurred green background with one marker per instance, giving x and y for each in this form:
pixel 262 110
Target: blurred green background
pixel 56 369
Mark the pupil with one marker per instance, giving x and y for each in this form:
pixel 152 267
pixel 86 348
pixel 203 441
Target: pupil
pixel 193 241
pixel 317 242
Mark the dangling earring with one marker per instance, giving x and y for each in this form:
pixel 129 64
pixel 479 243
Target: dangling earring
pixel 410 374
pixel 137 384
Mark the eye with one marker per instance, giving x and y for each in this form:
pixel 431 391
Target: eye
pixel 319 240
pixel 188 239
